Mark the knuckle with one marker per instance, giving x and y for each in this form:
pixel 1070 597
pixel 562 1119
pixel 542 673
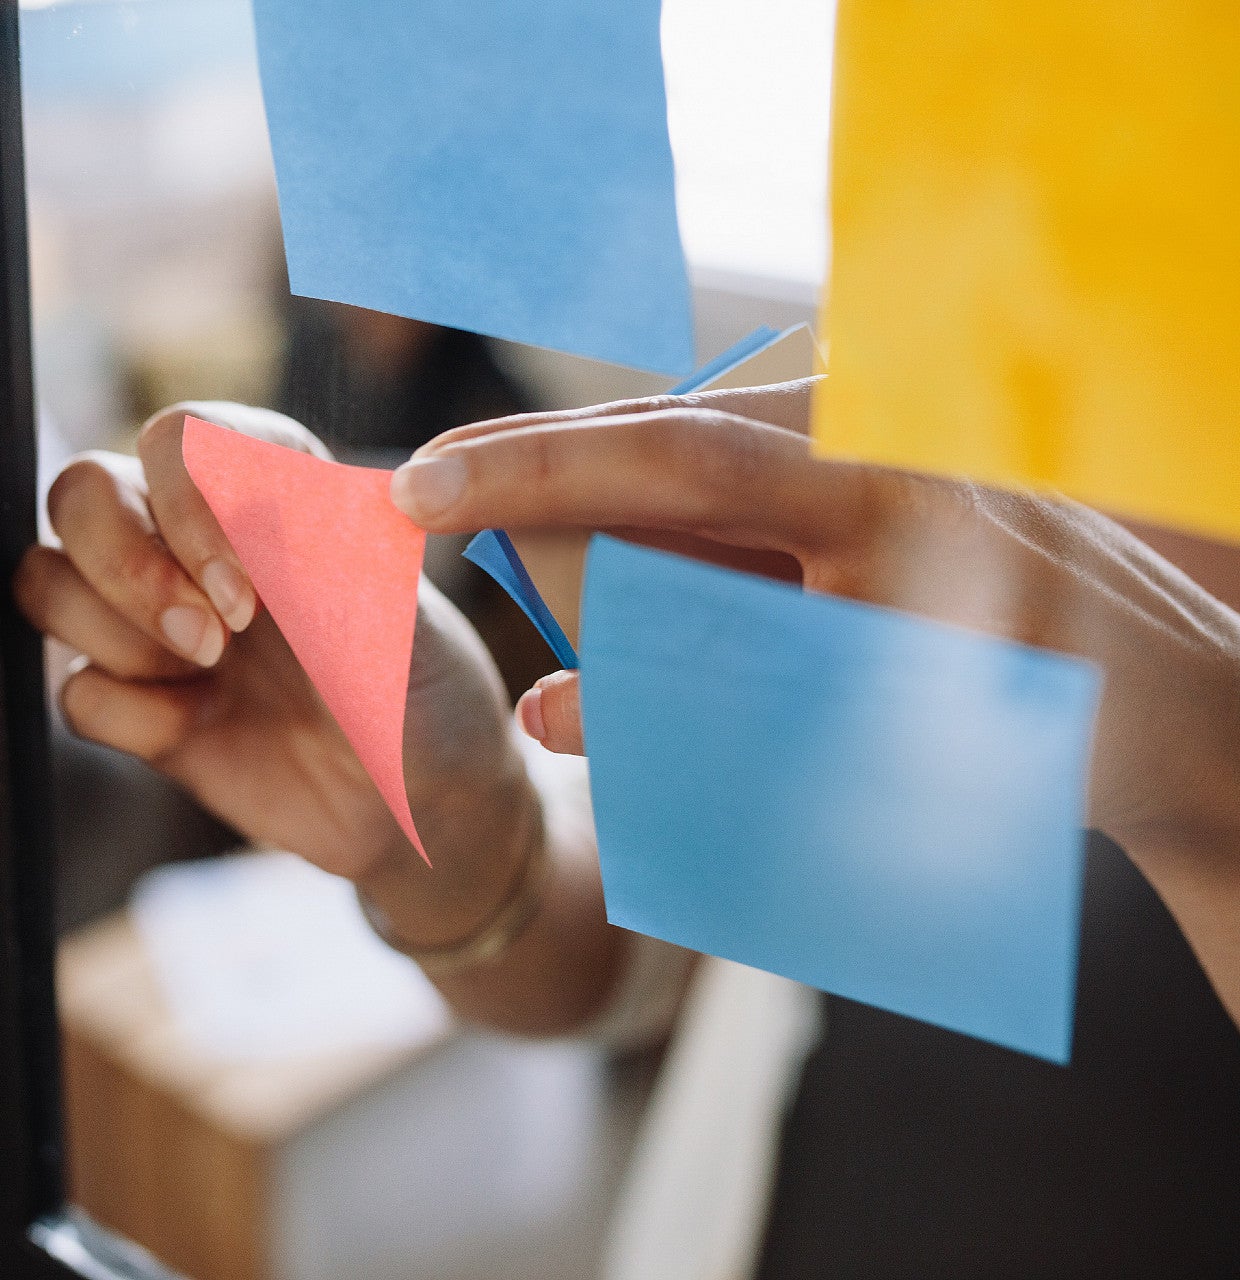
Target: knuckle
pixel 624 408
pixel 81 705
pixel 153 728
pixel 703 444
pixel 542 459
pixel 561 708
pixel 82 488
pixel 143 569
pixel 279 428
pixel 169 731
pixel 554 710
pixel 163 429
pixel 667 404
pixel 32 582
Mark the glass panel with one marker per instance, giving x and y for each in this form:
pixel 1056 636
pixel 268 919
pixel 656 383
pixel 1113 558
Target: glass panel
pixel 257 1088
pixel 250 1087
pixel 243 1138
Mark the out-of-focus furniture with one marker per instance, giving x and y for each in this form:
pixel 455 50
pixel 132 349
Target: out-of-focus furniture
pixel 694 1201
pixel 464 1158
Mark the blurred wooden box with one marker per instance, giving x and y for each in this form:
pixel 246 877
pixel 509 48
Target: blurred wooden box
pixel 165 1147
pixel 461 1159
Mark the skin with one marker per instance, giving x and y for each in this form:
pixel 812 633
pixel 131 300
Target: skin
pixel 699 476
pixel 229 715
pixel 724 476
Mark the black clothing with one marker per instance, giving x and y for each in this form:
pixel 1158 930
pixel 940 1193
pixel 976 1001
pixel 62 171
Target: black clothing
pixel 914 1152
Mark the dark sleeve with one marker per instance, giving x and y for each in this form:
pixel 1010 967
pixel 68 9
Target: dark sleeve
pixel 913 1152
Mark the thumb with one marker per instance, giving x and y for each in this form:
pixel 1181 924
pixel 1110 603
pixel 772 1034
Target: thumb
pixel 551 713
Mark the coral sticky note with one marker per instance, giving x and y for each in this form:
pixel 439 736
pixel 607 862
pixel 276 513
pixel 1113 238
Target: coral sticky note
pixel 878 805
pixel 1036 268
pixel 337 566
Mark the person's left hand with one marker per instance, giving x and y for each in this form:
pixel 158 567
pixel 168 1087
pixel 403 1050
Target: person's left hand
pixel 183 669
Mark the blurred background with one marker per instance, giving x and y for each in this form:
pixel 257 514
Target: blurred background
pixel 235 1104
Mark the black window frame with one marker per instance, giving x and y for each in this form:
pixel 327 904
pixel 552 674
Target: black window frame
pixel 39 1235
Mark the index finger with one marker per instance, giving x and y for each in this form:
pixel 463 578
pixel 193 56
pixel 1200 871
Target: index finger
pixel 181 513
pixel 781 404
pixel 686 470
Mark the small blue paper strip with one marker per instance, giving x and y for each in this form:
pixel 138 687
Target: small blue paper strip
pixel 880 806
pixel 498 167
pixel 493 552
pixel 492 549
pixel 726 361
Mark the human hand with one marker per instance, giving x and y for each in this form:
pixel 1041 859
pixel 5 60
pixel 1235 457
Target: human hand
pixel 184 671
pixel 703 479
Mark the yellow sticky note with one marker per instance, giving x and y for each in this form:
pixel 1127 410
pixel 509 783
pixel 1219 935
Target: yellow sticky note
pixel 1036 263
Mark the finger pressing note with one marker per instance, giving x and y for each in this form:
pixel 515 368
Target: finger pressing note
pixel 684 470
pixel 99 510
pixel 550 712
pixel 184 520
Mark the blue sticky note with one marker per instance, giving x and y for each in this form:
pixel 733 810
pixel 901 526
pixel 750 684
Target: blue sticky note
pixel 761 338
pixel 492 166
pixel 493 552
pixel 880 806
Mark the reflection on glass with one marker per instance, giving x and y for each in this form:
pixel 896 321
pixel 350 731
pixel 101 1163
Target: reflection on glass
pixel 256 1088
pixel 251 1087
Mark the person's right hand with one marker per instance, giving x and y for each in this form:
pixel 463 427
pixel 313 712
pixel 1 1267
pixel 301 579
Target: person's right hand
pixel 698 477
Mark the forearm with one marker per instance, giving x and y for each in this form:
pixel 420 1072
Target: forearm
pixel 1182 824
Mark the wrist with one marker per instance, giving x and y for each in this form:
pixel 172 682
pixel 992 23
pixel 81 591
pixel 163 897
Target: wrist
pixel 480 848
pixel 486 942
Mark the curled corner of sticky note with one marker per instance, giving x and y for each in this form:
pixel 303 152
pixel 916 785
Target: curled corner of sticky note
pixel 337 566
pixel 493 552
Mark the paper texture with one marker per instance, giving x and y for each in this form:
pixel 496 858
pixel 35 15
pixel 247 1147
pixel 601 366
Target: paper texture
pixel 337 566
pixel 882 807
pixel 493 552
pixel 1035 276
pixel 498 167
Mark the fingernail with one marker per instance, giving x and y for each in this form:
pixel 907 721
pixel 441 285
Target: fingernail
pixel 529 713
pixel 427 486
pixel 194 632
pixel 231 594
